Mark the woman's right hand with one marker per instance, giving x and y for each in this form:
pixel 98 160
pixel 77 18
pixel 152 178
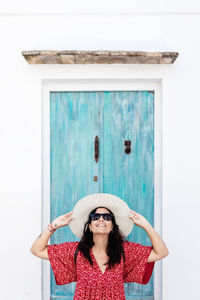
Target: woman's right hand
pixel 62 220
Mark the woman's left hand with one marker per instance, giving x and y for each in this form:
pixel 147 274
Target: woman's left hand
pixel 137 219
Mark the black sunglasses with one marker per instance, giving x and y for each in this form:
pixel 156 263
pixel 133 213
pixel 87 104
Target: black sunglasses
pixel 96 216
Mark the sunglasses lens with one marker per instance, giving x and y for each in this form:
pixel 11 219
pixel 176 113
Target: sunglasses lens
pixel 96 216
pixel 107 217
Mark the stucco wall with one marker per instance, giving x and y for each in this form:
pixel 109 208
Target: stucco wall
pixel 20 127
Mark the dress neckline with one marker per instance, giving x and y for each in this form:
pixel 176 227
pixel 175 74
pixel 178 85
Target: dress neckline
pixel 95 261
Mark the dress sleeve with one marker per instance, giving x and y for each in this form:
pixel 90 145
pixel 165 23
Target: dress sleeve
pixel 136 267
pixel 61 257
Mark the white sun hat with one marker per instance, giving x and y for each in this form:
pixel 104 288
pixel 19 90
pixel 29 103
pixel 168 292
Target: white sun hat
pixel 85 205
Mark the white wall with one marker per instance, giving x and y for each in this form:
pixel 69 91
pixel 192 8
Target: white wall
pixel 20 130
pixel 99 7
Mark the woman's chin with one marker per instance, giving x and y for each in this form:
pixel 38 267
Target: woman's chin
pixel 101 232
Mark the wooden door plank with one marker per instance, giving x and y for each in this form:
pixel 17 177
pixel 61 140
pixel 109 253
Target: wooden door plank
pixel 129 116
pixel 75 120
pixel 87 126
pixel 61 165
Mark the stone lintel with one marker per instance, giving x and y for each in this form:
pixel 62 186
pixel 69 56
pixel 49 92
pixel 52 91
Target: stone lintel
pixel 98 57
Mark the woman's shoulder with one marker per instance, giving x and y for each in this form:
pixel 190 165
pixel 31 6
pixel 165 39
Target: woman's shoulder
pixel 72 245
pixel 65 246
pixel 135 248
pixel 127 244
pixel 130 245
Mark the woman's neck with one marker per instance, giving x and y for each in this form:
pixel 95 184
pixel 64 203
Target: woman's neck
pixel 100 242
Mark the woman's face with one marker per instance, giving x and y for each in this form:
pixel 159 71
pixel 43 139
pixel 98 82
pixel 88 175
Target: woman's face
pixel 101 226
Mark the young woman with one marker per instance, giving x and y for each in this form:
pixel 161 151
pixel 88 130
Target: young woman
pixel 102 261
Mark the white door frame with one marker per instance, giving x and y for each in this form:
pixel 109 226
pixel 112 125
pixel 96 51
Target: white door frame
pixel 110 84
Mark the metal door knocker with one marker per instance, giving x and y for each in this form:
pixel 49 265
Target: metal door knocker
pixel 96 149
pixel 127 147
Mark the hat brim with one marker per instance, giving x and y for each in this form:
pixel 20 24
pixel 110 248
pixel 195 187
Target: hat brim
pixel 85 205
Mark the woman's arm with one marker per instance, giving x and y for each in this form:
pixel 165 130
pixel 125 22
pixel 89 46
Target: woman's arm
pixel 159 250
pixel 39 247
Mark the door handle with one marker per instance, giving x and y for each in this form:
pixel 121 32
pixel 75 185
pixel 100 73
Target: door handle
pixel 96 149
pixel 127 147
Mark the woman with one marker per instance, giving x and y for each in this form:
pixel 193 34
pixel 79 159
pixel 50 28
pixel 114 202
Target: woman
pixel 102 261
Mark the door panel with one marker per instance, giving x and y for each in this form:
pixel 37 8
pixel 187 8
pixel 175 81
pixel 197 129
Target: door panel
pixel 75 119
pixel 129 116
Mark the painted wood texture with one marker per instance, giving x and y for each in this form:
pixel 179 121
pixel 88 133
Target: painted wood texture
pixel 75 119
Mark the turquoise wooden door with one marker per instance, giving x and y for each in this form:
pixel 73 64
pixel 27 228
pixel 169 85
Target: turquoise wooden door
pixel 76 118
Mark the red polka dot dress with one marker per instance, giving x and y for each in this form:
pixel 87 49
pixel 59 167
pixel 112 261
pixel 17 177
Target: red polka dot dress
pixel 91 282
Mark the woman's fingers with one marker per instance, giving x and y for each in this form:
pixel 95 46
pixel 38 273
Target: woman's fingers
pixel 69 213
pixel 133 213
pixel 70 219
